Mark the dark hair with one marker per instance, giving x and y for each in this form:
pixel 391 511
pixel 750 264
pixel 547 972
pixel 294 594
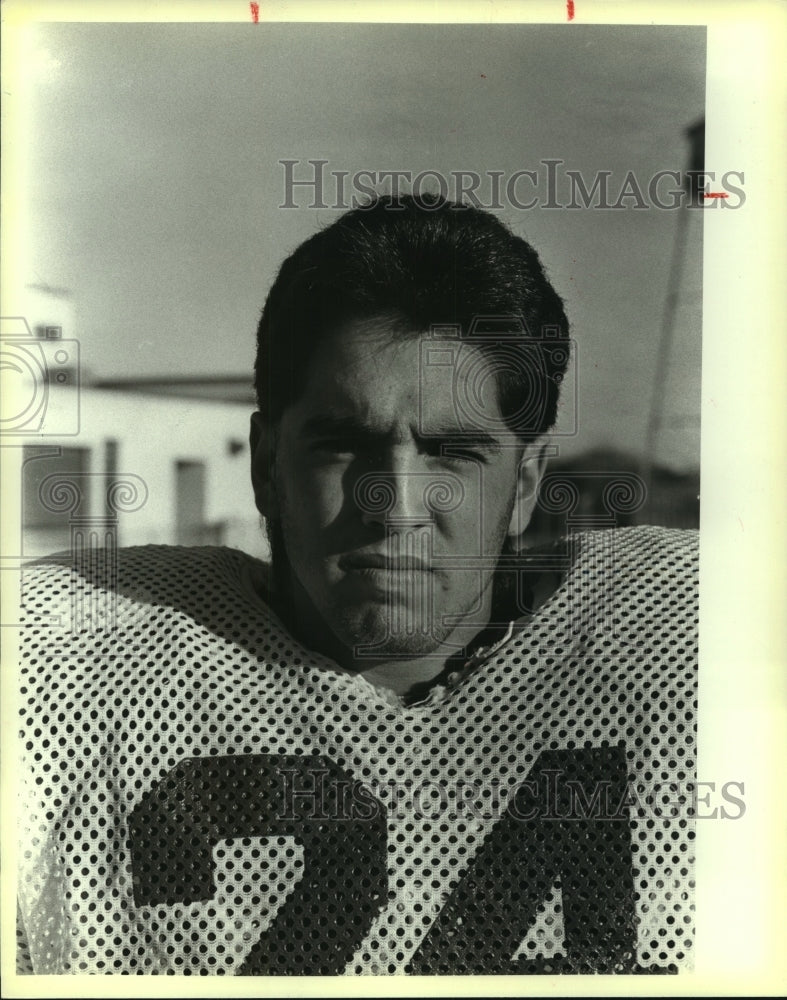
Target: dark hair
pixel 418 261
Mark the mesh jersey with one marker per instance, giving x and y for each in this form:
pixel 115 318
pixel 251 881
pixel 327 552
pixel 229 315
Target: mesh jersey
pixel 201 794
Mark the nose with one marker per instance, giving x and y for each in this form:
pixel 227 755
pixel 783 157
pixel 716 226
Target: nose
pixel 396 493
pixel 406 493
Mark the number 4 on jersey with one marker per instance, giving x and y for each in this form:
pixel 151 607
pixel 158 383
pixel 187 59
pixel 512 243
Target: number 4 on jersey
pixel 565 824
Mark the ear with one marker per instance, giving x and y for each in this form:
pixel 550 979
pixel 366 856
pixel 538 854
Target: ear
pixel 531 469
pixel 261 441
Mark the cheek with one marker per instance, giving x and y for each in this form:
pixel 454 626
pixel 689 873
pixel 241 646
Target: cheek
pixel 312 498
pixel 496 507
pixel 489 529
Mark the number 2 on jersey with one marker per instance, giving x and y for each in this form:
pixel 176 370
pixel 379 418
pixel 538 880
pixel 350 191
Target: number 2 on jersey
pixel 555 831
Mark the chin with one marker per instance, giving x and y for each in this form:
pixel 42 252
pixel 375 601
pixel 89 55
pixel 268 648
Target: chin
pixel 391 634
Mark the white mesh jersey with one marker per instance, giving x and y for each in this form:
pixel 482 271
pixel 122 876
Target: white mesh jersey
pixel 203 795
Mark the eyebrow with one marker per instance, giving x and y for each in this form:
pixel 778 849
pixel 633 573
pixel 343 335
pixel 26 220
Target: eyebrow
pixel 455 437
pixel 332 424
pixel 324 424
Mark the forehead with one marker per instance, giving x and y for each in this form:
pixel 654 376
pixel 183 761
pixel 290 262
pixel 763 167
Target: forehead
pixel 376 373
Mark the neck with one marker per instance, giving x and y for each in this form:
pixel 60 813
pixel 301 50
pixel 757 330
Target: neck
pixel 407 674
pixel 405 677
pixel 408 677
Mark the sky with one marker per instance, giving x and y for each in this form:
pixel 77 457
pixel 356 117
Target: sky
pixel 154 181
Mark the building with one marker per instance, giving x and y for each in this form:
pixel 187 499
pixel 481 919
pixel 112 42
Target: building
pixel 161 461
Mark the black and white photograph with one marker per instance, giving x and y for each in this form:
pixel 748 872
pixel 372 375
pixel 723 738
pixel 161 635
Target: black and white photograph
pixel 365 431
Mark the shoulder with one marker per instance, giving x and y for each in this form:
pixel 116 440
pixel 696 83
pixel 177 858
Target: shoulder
pixel 620 561
pixel 635 578
pixel 643 561
pixel 153 563
pixel 140 577
pixel 643 547
pixel 640 573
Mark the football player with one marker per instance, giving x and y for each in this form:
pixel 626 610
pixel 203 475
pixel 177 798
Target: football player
pixel 409 743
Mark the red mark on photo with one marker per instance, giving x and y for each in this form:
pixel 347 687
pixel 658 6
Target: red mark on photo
pixel 570 9
pixel 255 12
pixel 714 194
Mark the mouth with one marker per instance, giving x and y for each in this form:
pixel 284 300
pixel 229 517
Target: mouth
pixel 372 576
pixel 358 562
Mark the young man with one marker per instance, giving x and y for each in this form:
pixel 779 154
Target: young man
pixel 410 744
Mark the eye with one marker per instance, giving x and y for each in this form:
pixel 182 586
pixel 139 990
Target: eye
pixel 464 455
pixel 458 453
pixel 333 449
pixel 345 451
